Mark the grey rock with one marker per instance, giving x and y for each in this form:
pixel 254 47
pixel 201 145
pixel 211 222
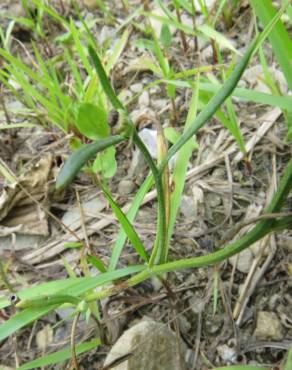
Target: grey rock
pixel 135 88
pixel 228 354
pixel 188 207
pixel 91 209
pixel 268 326
pixel 138 164
pixel 126 187
pixel 144 99
pixel 214 200
pixel 196 303
pixel 153 345
pixel 242 261
pixel 21 242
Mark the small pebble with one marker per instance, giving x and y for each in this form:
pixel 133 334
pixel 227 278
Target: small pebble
pixel 126 187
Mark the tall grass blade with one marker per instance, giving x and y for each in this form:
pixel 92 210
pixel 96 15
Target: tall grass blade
pixel 126 224
pixel 131 214
pixel 59 356
pixel 279 37
pixel 104 80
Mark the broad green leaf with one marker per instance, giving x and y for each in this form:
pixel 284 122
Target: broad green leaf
pixel 59 356
pixel 92 121
pixel 106 163
pixel 78 159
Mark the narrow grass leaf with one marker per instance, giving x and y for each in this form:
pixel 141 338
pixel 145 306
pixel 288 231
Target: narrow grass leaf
pixel 79 287
pixel 279 37
pixel 96 262
pixel 78 159
pixel 126 224
pixel 288 365
pixel 131 214
pixel 241 367
pixel 117 51
pixel 104 80
pixel 62 355
pixel 181 164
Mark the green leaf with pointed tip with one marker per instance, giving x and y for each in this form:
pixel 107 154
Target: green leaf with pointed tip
pixel 126 224
pixel 59 356
pixel 78 159
pixel 79 287
pixel 279 37
pixel 241 367
pixel 104 80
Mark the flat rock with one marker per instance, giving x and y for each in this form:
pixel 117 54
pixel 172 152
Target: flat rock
pixel 91 209
pixel 268 326
pixel 126 187
pixel 153 347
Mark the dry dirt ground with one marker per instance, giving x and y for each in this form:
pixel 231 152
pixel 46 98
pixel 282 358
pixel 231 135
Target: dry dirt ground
pixel 222 312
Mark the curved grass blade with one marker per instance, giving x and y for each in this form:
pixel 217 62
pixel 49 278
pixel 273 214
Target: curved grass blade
pixel 126 224
pixel 279 37
pixel 226 90
pixel 241 367
pixel 104 80
pixel 131 214
pixel 79 287
pixel 59 356
pixel 78 159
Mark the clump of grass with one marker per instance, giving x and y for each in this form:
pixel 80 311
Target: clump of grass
pixel 63 111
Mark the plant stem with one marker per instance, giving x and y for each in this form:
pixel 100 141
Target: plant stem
pixel 263 228
pixel 159 244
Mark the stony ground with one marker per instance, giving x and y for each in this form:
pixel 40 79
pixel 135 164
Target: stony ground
pixel 236 312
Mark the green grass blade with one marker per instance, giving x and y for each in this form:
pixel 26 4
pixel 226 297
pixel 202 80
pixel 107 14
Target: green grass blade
pixel 117 51
pixel 131 214
pixel 241 367
pixel 213 104
pixel 78 159
pixel 181 164
pixel 80 286
pixel 104 80
pixel 59 356
pixel 203 30
pixel 96 262
pixel 80 49
pixel 279 37
pixel 288 365
pixel 283 102
pixel 126 224
pixel 226 90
